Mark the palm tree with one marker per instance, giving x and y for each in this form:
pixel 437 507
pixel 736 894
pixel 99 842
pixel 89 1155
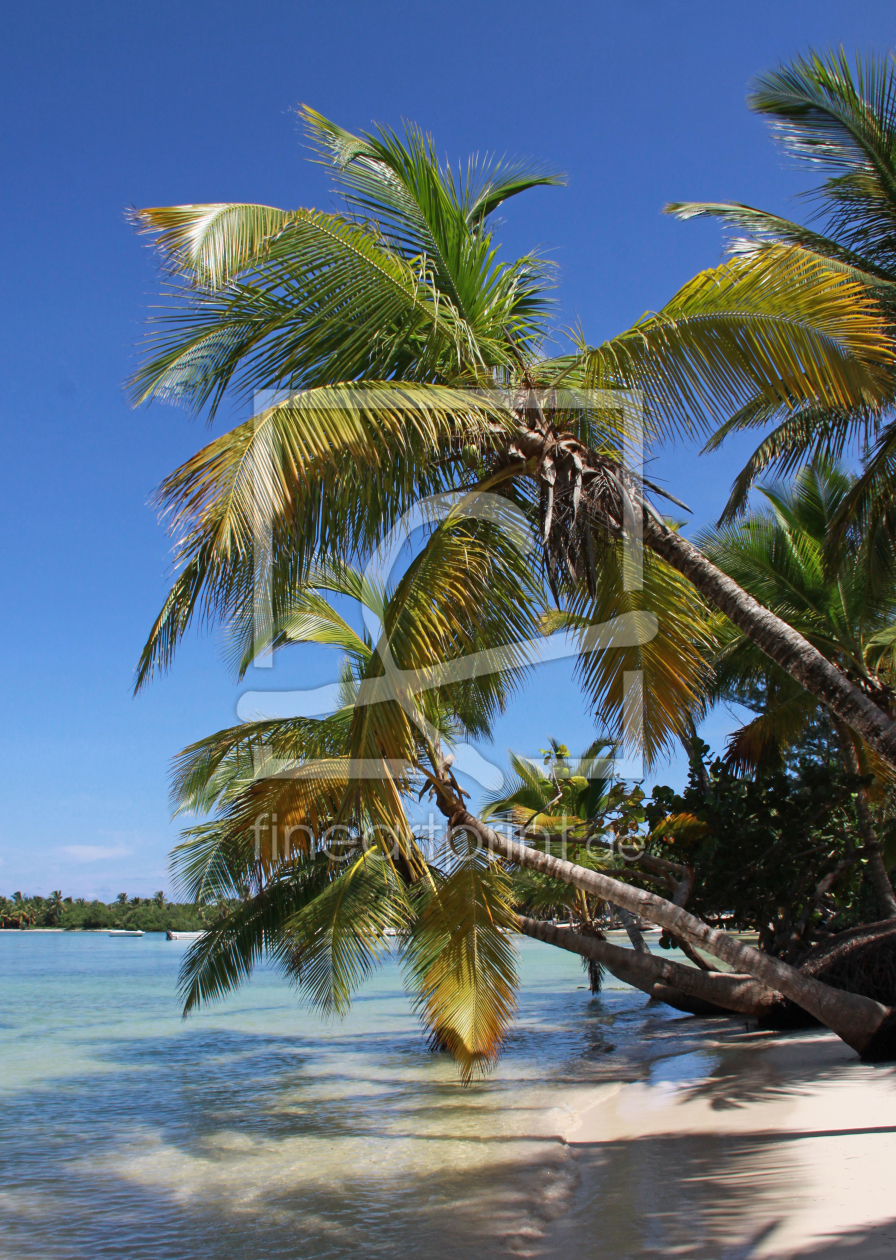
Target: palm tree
pixel 22 912
pixel 848 613
pixel 842 122
pixel 321 907
pixel 158 898
pixel 55 905
pixel 310 829
pixel 412 363
pixel 371 321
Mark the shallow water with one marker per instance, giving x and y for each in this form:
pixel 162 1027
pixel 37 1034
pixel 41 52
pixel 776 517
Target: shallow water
pixel 257 1129
pixel 610 1128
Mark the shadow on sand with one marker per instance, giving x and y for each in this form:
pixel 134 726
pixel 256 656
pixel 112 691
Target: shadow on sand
pixel 198 1147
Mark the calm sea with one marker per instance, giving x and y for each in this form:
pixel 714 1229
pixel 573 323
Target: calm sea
pixel 255 1129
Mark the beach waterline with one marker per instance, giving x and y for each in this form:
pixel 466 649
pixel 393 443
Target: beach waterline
pixel 256 1129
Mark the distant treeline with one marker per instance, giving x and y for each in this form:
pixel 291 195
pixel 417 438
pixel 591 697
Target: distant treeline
pixel 147 914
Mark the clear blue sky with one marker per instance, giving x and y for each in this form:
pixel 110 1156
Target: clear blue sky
pixel 109 105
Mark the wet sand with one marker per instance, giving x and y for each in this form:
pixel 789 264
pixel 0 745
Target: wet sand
pixel 735 1146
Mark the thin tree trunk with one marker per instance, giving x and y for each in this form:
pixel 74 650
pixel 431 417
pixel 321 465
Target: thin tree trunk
pixel 880 880
pixel 661 978
pixel 865 1025
pixel 633 932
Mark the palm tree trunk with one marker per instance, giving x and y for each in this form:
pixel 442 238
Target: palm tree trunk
pixel 685 988
pixel 880 880
pixel 633 932
pixel 866 1025
pixel 779 641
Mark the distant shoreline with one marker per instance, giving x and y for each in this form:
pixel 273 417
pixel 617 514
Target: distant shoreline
pixel 15 931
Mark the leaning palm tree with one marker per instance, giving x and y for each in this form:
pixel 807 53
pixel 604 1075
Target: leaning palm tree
pixel 840 121
pixel 848 613
pixel 320 905
pixel 311 829
pixel 411 362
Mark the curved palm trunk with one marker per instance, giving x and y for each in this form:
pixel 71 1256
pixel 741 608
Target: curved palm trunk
pixel 867 1026
pixel 779 641
pixel 686 988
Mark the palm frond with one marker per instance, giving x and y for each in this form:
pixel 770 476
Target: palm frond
pixel 337 939
pixel 212 244
pixel 460 959
pixel 780 725
pixel 320 477
pixel 672 662
pixel 228 952
pixel 782 326
pixel 766 229
pixel 421 209
pixel 841 118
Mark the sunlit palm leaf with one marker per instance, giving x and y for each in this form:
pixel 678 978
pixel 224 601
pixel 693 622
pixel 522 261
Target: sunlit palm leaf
pixel 782 326
pixel 672 663
pixel 211 244
pixel 321 476
pixel 337 939
pixel 460 960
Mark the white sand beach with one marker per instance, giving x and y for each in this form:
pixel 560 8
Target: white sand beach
pixel 745 1146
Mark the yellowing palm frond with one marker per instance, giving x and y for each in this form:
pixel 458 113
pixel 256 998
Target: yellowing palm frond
pixel 319 477
pixel 782 326
pixel 673 663
pixel 211 244
pixel 460 959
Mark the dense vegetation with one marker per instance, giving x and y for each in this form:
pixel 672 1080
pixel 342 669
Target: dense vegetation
pixel 146 914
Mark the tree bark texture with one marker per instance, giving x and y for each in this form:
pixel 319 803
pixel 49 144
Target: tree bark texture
pixel 685 988
pixel 865 1025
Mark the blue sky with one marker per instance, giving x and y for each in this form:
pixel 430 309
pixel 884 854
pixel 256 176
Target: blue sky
pixel 111 105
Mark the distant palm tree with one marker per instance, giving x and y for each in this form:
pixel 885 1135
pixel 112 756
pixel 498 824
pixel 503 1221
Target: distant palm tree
pixel 21 914
pixel 55 905
pixel 159 898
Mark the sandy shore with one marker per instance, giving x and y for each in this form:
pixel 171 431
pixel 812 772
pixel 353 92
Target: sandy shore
pixel 734 1146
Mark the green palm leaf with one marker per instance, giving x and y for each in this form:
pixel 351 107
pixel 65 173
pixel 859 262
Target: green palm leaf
pixel 337 939
pixel 782 326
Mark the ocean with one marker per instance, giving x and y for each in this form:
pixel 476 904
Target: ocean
pixel 256 1129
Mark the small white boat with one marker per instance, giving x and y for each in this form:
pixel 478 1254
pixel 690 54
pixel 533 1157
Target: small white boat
pixel 183 936
pixel 123 932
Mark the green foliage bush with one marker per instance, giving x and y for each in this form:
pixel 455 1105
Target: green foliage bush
pixel 138 914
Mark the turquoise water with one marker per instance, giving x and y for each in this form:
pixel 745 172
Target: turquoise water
pixel 254 1129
